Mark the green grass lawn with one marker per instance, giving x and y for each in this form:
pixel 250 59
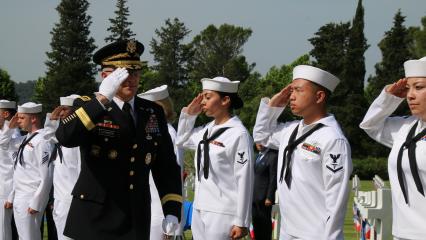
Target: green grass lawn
pixel 349 230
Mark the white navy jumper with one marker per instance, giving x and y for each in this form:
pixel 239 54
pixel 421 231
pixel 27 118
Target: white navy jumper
pixel 32 181
pixel 227 190
pixel 409 218
pixel 67 166
pixel 315 204
pixel 6 181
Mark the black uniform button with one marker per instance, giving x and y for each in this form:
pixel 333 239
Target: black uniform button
pixel 131 173
pixel 82 196
pixel 131 187
pixel 135 146
pixel 132 159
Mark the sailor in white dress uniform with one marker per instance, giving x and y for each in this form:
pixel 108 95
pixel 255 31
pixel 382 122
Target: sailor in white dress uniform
pixel 66 162
pixel 32 179
pixel 314 159
pixel 407 138
pixel 160 95
pixel 7 110
pixel 224 162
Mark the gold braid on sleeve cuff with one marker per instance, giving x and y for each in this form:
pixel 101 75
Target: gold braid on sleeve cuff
pixel 171 197
pixel 85 119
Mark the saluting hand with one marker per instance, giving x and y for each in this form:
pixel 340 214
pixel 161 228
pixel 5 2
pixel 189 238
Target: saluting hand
pixel 398 88
pixel 112 82
pixel 282 98
pixel 55 115
pixel 195 107
pixel 14 121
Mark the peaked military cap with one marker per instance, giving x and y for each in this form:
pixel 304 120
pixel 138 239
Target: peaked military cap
pixel 125 54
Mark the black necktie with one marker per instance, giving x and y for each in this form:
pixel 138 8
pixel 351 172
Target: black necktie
pixel 410 144
pixel 126 109
pixel 288 151
pixel 19 154
pixel 206 142
pixel 57 151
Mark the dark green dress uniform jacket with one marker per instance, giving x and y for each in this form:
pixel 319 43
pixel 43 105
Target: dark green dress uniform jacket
pixel 111 199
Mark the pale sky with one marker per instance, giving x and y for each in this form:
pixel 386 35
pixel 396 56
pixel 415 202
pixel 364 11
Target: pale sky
pixel 281 28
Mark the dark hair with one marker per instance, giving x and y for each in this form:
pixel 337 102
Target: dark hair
pixel 236 101
pixel 324 89
pixel 11 111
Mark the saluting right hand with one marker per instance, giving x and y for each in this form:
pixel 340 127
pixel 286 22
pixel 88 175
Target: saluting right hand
pixel 282 98
pixel 195 107
pixel 112 82
pixel 56 113
pixel 14 121
pixel 398 88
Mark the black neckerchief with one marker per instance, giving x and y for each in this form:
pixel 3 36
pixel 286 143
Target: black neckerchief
pixel 19 154
pixel 410 144
pixel 206 142
pixel 289 149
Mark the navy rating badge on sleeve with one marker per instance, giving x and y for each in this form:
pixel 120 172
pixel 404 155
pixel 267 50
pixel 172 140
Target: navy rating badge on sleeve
pixel 334 163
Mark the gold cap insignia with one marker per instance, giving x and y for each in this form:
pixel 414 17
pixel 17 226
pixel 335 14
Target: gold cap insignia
pixel 112 154
pixel 131 46
pixel 148 158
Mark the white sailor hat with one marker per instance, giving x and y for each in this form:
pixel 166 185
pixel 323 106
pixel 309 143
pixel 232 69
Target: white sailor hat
pixel 316 75
pixel 220 84
pixel 68 100
pixel 415 68
pixel 30 107
pixel 7 104
pixel 155 94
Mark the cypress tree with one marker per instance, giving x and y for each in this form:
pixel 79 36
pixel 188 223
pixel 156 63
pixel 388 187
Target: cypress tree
pixel 171 58
pixel 395 48
pixel 7 87
pixel 69 62
pixel 120 26
pixel 350 92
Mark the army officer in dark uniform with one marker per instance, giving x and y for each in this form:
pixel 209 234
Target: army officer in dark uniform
pixel 122 138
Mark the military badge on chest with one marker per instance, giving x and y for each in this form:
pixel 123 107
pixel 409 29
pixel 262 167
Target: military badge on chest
pixel 107 128
pixel 152 127
pixel 334 162
pixel 311 148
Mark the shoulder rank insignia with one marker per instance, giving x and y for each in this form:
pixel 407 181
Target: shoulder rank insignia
pixel 85 98
pixel 242 161
pixel 336 163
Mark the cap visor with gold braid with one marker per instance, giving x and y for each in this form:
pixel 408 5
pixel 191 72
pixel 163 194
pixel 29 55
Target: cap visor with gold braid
pixel 124 54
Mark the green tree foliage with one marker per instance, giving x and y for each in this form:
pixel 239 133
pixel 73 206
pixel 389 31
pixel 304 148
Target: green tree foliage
pixel 419 37
pixel 330 44
pixel 395 47
pixel 69 62
pixel 7 87
pixel 120 26
pixel 25 91
pixel 39 88
pixel 218 52
pixel 171 57
pixel 339 49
